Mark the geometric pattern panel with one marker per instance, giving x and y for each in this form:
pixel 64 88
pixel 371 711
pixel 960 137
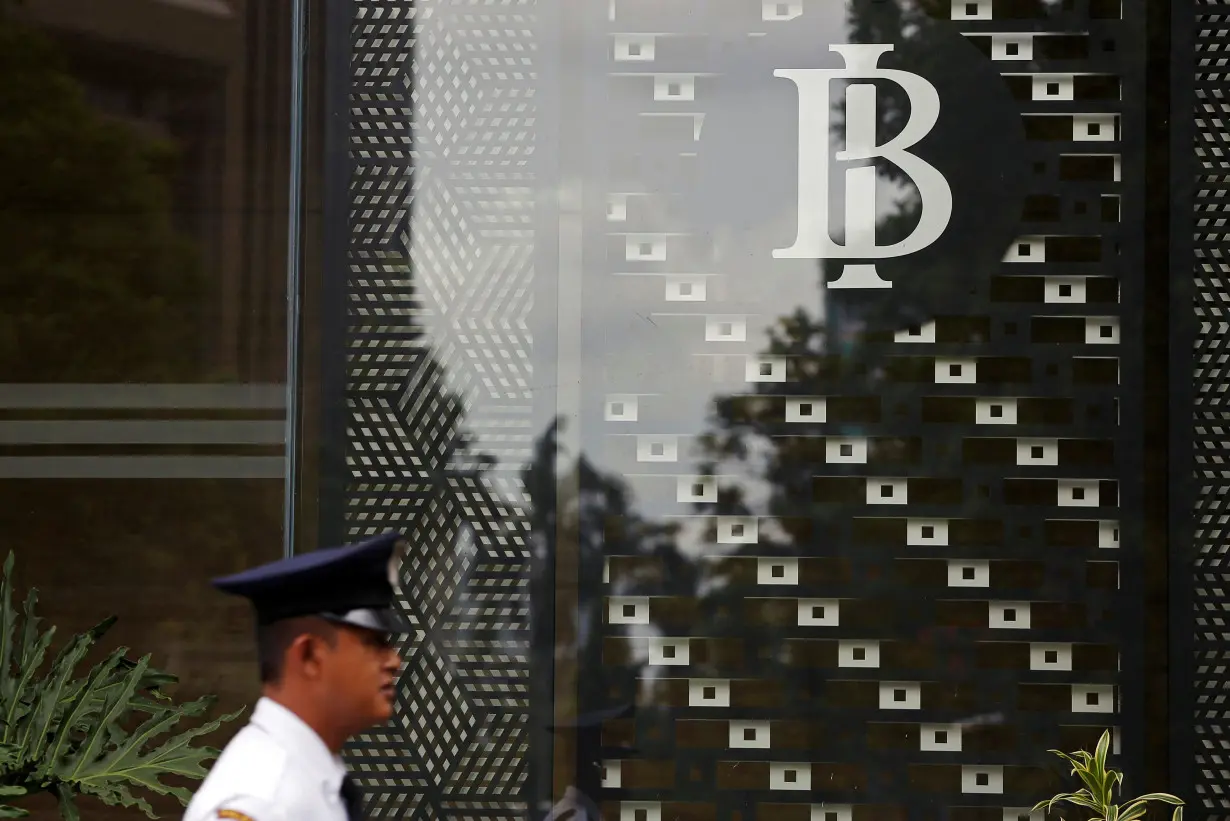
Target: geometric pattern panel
pixel 440 260
pixel 1211 628
pixel 904 510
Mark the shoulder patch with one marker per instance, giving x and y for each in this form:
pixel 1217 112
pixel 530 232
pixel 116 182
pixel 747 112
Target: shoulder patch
pixel 233 815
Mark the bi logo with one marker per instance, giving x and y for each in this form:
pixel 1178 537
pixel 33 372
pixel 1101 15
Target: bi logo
pixel 885 163
pixel 814 170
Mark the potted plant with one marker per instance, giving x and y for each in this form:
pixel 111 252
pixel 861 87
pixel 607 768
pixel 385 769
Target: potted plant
pixel 104 734
pixel 1098 794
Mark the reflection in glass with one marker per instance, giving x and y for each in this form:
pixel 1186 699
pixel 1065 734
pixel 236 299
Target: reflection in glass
pixel 142 397
pixel 745 542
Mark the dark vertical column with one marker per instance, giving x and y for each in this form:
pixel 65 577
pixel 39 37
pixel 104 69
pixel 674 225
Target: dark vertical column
pixel 1172 723
pixel 332 468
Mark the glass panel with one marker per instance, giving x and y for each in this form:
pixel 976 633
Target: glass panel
pixel 760 386
pixel 143 165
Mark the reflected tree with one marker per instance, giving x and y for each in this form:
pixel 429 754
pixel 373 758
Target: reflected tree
pixel 98 285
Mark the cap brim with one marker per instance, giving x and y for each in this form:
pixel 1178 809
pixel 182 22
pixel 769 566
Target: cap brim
pixel 382 620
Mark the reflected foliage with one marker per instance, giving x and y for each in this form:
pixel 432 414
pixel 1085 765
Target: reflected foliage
pixel 97 284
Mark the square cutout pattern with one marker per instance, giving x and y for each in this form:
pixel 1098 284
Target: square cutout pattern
pixel 969 573
pixel 629 611
pixel 941 736
pixel 749 733
pixel 1051 656
pixel 859 653
pixel 817 611
pixel 708 693
pixel 847 450
pixel 928 531
pixel 898 694
pixel 982 779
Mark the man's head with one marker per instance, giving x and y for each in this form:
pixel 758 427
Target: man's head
pixel 344 674
pixel 326 624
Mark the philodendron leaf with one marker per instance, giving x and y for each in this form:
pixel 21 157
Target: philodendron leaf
pixel 8 631
pixel 68 803
pixel 70 736
pixel 29 659
pixel 117 795
pixel 76 715
pixel 50 705
pixel 176 756
pixel 8 810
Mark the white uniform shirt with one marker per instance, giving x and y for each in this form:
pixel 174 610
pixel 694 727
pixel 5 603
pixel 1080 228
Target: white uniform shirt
pixel 274 769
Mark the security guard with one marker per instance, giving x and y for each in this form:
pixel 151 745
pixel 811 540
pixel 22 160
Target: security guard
pixel 326 621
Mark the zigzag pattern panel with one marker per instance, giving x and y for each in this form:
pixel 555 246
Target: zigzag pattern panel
pixel 1211 628
pixel 905 526
pixel 441 259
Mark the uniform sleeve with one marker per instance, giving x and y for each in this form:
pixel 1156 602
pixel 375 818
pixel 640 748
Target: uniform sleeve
pixel 242 808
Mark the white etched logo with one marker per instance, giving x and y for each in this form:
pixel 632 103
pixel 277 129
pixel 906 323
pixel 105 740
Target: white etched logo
pixel 815 152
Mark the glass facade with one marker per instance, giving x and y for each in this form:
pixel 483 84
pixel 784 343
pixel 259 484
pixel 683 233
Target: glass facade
pixel 789 405
pixel 144 155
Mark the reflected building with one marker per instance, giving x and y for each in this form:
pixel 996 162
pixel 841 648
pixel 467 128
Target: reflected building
pixel 212 77
pixel 142 391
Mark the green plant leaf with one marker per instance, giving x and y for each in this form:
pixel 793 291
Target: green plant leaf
pixel 115 707
pixel 12 791
pixel 1164 797
pixel 49 706
pixel 1100 784
pixel 176 756
pixel 77 710
pixel 117 795
pixel 68 735
pixel 8 630
pixel 68 806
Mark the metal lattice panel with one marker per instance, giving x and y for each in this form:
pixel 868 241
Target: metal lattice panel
pixel 437 374
pixel 1212 303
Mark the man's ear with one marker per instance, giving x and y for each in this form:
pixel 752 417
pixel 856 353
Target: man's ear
pixel 306 653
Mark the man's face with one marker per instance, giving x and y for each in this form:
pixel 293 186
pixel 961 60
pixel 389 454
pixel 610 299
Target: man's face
pixel 362 675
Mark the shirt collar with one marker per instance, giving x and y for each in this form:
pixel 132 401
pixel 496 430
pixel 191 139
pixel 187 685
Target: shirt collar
pixel 301 741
